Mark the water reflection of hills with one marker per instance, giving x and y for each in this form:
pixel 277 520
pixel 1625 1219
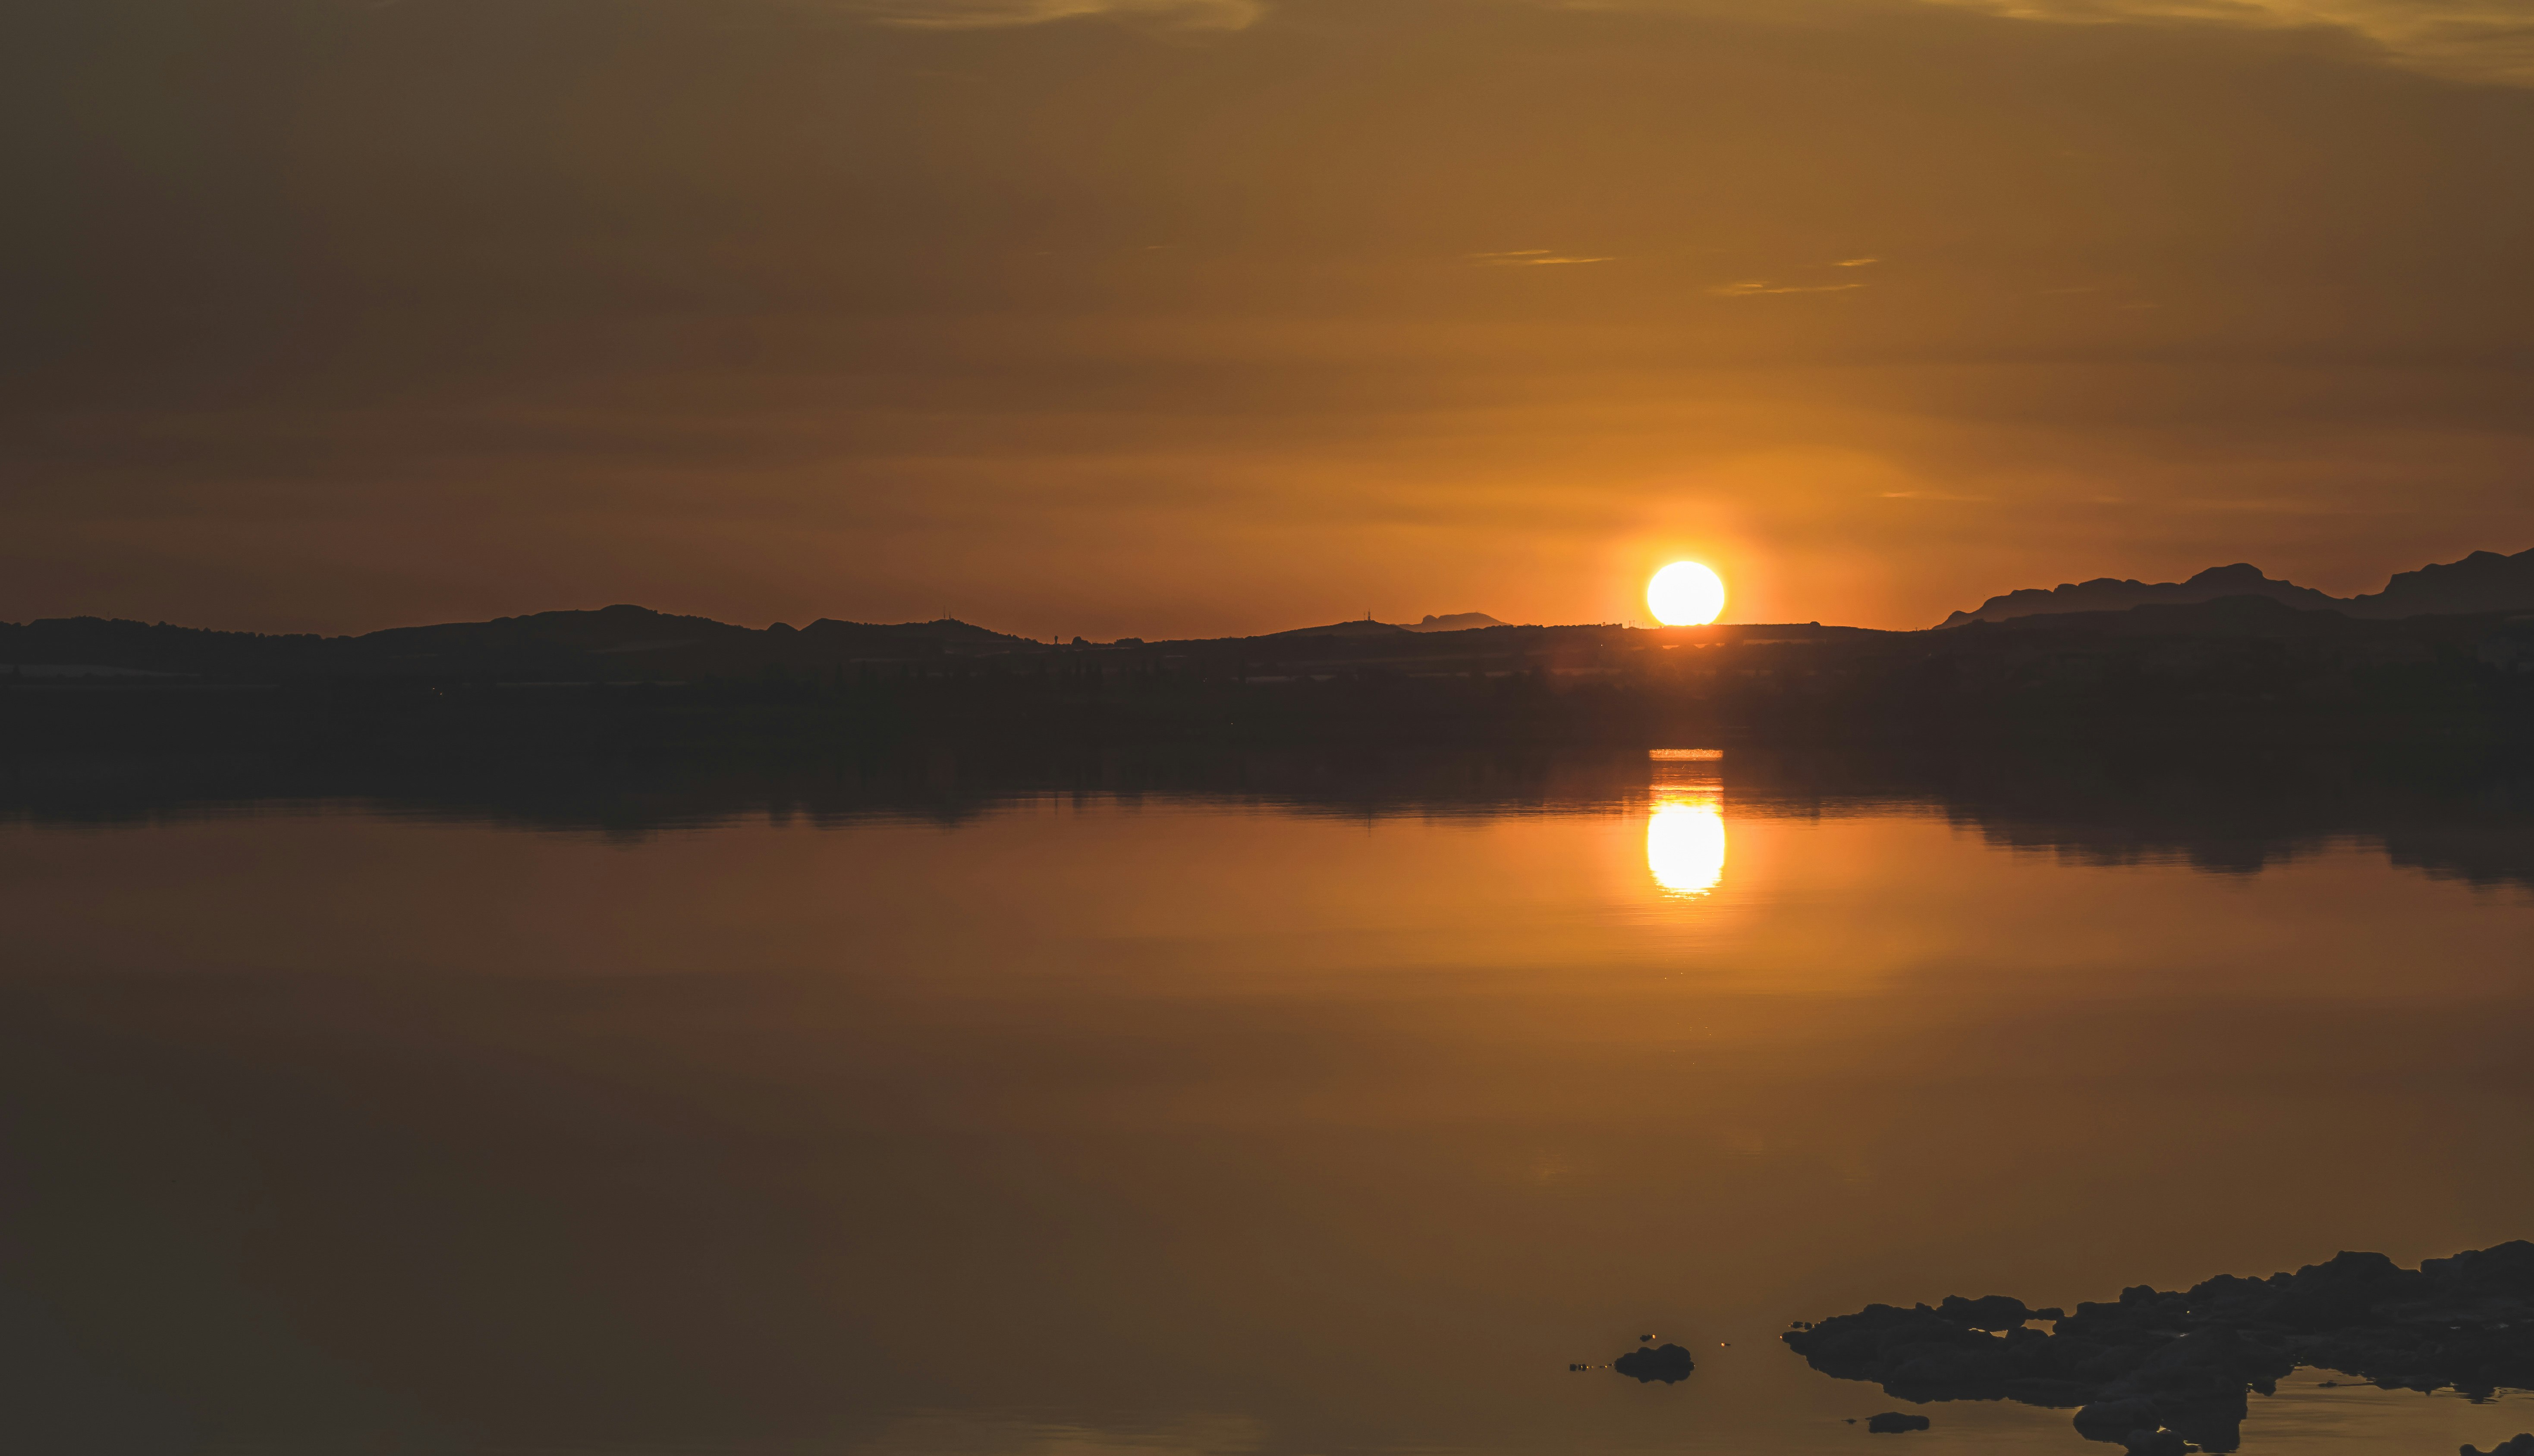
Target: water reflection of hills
pixel 2465 816
pixel 2449 820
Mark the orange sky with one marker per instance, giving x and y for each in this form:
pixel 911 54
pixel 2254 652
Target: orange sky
pixel 1197 317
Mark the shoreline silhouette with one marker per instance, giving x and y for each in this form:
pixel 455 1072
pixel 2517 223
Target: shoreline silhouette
pixel 2236 669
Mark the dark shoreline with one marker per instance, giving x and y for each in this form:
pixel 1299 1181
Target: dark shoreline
pixel 2238 670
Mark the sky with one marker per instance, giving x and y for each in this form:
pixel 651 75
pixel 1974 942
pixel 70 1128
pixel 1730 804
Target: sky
pixel 1181 318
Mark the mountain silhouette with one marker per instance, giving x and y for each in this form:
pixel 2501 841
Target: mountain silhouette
pixel 1359 627
pixel 623 629
pixel 610 641
pixel 2239 669
pixel 2484 581
pixel 1459 622
pixel 2113 594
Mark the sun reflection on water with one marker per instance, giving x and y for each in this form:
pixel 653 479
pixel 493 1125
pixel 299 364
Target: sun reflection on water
pixel 1686 843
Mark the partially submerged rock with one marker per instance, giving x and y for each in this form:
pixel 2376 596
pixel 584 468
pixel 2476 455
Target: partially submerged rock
pixel 1669 1364
pixel 2519 1446
pixel 2155 1369
pixel 1892 1422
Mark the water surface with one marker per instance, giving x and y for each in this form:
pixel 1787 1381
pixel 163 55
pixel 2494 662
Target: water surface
pixel 1339 1114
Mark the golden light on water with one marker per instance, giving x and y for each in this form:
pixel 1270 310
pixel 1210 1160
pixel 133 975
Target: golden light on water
pixel 1686 843
pixel 1685 594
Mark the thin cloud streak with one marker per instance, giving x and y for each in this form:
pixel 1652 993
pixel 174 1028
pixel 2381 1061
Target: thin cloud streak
pixel 1760 289
pixel 2475 41
pixel 1530 258
pixel 984 14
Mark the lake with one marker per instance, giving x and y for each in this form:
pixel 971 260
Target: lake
pixel 1280 1104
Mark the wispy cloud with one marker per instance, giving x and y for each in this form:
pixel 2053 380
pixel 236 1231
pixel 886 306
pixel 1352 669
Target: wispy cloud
pixel 2484 40
pixel 1856 262
pixel 2265 507
pixel 979 15
pixel 1755 290
pixel 1530 258
pixel 1945 496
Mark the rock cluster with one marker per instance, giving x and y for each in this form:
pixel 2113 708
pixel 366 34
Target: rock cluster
pixel 1669 1364
pixel 2156 1368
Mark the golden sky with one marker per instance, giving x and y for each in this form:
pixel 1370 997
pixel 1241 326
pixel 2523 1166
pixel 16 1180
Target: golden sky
pixel 1197 317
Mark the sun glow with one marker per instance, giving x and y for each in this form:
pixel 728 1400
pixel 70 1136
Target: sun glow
pixel 1685 594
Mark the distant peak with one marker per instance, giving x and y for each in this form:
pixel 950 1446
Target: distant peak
pixel 2483 581
pixel 1359 627
pixel 2119 594
pixel 1458 621
pixel 2242 571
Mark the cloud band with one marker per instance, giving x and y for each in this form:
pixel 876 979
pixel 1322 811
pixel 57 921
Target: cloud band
pixel 981 15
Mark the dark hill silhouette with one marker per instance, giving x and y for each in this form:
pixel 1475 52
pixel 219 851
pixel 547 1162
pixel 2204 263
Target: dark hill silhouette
pixel 2110 593
pixel 1459 622
pixel 611 642
pixel 2484 581
pixel 616 629
pixel 2235 669
pixel 623 630
pixel 2248 616
pixel 1363 628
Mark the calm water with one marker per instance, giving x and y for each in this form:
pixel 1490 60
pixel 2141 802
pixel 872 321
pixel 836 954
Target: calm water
pixel 1339 1114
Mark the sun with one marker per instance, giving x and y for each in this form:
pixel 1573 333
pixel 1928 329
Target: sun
pixel 1685 594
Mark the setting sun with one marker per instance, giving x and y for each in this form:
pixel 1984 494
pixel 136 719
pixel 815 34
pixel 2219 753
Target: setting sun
pixel 1685 594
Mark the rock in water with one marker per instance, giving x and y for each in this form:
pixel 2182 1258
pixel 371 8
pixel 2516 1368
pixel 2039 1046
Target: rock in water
pixel 1892 1422
pixel 2164 1368
pixel 1669 1364
pixel 2522 1445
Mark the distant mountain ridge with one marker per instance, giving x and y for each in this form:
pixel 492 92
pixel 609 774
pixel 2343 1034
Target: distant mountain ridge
pixel 625 629
pixel 1459 622
pixel 2244 669
pixel 2484 581
pixel 620 641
